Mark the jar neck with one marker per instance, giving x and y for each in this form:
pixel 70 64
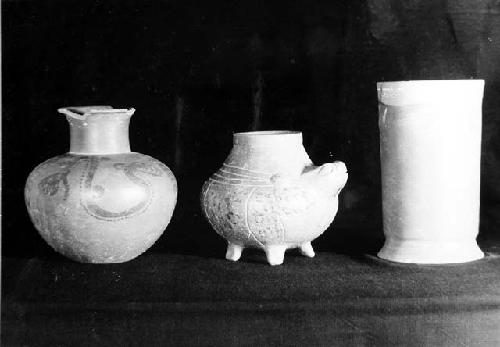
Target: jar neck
pixel 98 131
pixel 269 152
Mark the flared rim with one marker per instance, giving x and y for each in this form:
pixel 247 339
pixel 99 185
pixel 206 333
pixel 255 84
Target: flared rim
pixel 83 112
pixel 267 133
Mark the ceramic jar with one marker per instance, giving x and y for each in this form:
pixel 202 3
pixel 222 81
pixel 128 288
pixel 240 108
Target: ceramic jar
pixel 269 195
pixel 430 151
pixel 100 203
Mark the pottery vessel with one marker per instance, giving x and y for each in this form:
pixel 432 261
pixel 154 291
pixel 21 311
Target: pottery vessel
pixel 430 151
pixel 100 203
pixel 269 195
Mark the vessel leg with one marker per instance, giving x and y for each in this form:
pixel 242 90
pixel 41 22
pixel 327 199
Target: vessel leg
pixel 307 249
pixel 275 254
pixel 233 251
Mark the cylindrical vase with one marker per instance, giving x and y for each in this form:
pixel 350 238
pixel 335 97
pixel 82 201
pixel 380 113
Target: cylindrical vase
pixel 430 150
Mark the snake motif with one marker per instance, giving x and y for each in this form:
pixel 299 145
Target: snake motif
pixel 51 185
pixel 131 171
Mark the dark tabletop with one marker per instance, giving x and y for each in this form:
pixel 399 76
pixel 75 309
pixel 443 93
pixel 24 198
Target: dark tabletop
pixel 180 299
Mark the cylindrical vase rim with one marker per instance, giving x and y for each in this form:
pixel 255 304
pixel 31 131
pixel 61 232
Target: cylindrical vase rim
pixel 402 93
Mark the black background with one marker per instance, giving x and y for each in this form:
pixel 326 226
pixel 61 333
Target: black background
pixel 197 71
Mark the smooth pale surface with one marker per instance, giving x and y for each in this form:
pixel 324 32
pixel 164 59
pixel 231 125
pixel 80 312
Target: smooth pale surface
pixel 430 148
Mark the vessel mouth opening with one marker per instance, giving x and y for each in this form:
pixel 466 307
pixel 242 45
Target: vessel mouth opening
pixel 81 110
pixel 268 132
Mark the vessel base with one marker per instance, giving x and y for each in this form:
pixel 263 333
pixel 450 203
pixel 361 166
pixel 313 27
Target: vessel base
pixel 430 252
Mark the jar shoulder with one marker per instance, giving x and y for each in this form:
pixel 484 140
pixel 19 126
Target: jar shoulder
pixel 130 163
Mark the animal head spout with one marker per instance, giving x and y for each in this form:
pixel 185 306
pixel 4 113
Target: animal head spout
pixel 329 177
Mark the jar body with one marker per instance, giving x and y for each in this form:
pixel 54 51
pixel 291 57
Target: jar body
pixel 269 195
pixel 101 209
